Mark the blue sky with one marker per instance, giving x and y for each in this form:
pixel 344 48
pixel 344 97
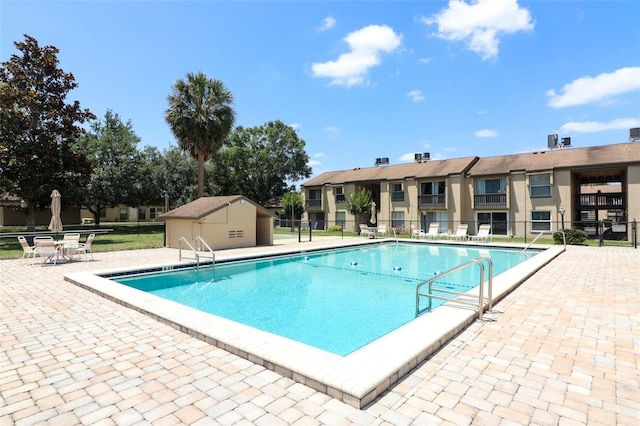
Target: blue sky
pixel 362 79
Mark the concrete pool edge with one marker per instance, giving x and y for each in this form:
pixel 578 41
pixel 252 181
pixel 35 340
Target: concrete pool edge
pixel 356 379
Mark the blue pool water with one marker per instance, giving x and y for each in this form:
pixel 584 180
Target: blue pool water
pixel 337 300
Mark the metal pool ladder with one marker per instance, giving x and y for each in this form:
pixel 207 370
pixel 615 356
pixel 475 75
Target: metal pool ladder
pixel 195 252
pixel 456 296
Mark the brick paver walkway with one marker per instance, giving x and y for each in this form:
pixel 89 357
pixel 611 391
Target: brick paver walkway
pixel 562 349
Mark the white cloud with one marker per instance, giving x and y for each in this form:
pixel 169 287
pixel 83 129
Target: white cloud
pixel 319 155
pixel 314 163
pixel 595 126
pixel 482 112
pixel 600 88
pixel 327 23
pixel 295 126
pixel 416 95
pixel 332 131
pixel 424 60
pixel 486 133
pixel 366 44
pixel 407 158
pixel 481 23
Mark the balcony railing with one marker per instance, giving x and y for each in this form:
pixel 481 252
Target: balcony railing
pixel 397 196
pixel 490 201
pixel 602 200
pixel 434 201
pixel 314 204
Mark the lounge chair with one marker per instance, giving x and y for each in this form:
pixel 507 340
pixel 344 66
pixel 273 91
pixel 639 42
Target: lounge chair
pixel 415 232
pixel 382 230
pixel 70 242
pixel 46 248
pixel 84 248
pixel 484 233
pixel 433 232
pixel 365 231
pixel 461 232
pixel 27 250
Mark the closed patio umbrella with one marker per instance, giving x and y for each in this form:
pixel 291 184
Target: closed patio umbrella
pixel 373 219
pixel 56 223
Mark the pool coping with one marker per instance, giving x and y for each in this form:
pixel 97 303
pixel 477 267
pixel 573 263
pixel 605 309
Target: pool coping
pixel 356 379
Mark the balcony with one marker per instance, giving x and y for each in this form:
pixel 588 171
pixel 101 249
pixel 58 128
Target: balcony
pixel 314 204
pixel 490 201
pixel 602 201
pixel 432 201
pixel 397 196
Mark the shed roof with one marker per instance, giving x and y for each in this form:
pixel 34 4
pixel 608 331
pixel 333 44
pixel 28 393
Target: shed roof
pixel 204 206
pixel 606 155
pixel 431 168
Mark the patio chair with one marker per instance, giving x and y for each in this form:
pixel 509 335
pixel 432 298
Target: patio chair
pixel 382 230
pixel 415 232
pixel 434 231
pixel 69 243
pixel 484 233
pixel 46 249
pixel 365 231
pixel 461 232
pixel 27 250
pixel 84 248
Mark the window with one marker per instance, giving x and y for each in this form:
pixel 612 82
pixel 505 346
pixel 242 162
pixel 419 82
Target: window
pixel 541 221
pixel 497 220
pixel 315 194
pixel 432 188
pixel 540 186
pixel 142 214
pixel 441 218
pixel 341 219
pixel 432 194
pixel 397 194
pixel 339 194
pixel 314 198
pixel 491 186
pixel 397 219
pixel 154 212
pixel 123 214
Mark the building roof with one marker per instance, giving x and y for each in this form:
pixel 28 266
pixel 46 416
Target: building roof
pixel 606 155
pixel 595 156
pixel 431 168
pixel 204 206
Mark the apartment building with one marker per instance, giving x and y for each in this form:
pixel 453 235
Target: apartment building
pixel 520 194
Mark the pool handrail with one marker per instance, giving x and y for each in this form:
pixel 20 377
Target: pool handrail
pixel 195 252
pixel 564 240
pixel 204 243
pixel 481 299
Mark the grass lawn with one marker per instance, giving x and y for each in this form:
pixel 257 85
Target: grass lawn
pixel 131 236
pixel 125 236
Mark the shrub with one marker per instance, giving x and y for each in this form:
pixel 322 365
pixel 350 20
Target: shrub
pixel 335 228
pixel 575 237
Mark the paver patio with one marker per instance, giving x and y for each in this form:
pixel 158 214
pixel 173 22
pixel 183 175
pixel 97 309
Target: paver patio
pixel 563 348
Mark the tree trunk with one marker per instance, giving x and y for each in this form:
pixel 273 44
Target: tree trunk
pixel 31 218
pixel 200 175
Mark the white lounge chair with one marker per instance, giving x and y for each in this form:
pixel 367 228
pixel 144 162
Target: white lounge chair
pixel 461 232
pixel 382 230
pixel 434 231
pixel 484 233
pixel 365 231
pixel 415 232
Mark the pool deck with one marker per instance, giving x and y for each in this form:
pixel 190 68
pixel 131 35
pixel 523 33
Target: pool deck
pixel 563 348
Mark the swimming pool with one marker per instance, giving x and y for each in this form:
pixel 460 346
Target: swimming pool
pixel 337 301
pixel 355 379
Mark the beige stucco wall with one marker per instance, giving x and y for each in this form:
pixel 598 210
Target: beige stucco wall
pixel 234 226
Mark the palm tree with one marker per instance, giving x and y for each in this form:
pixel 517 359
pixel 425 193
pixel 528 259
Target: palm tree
pixel 200 117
